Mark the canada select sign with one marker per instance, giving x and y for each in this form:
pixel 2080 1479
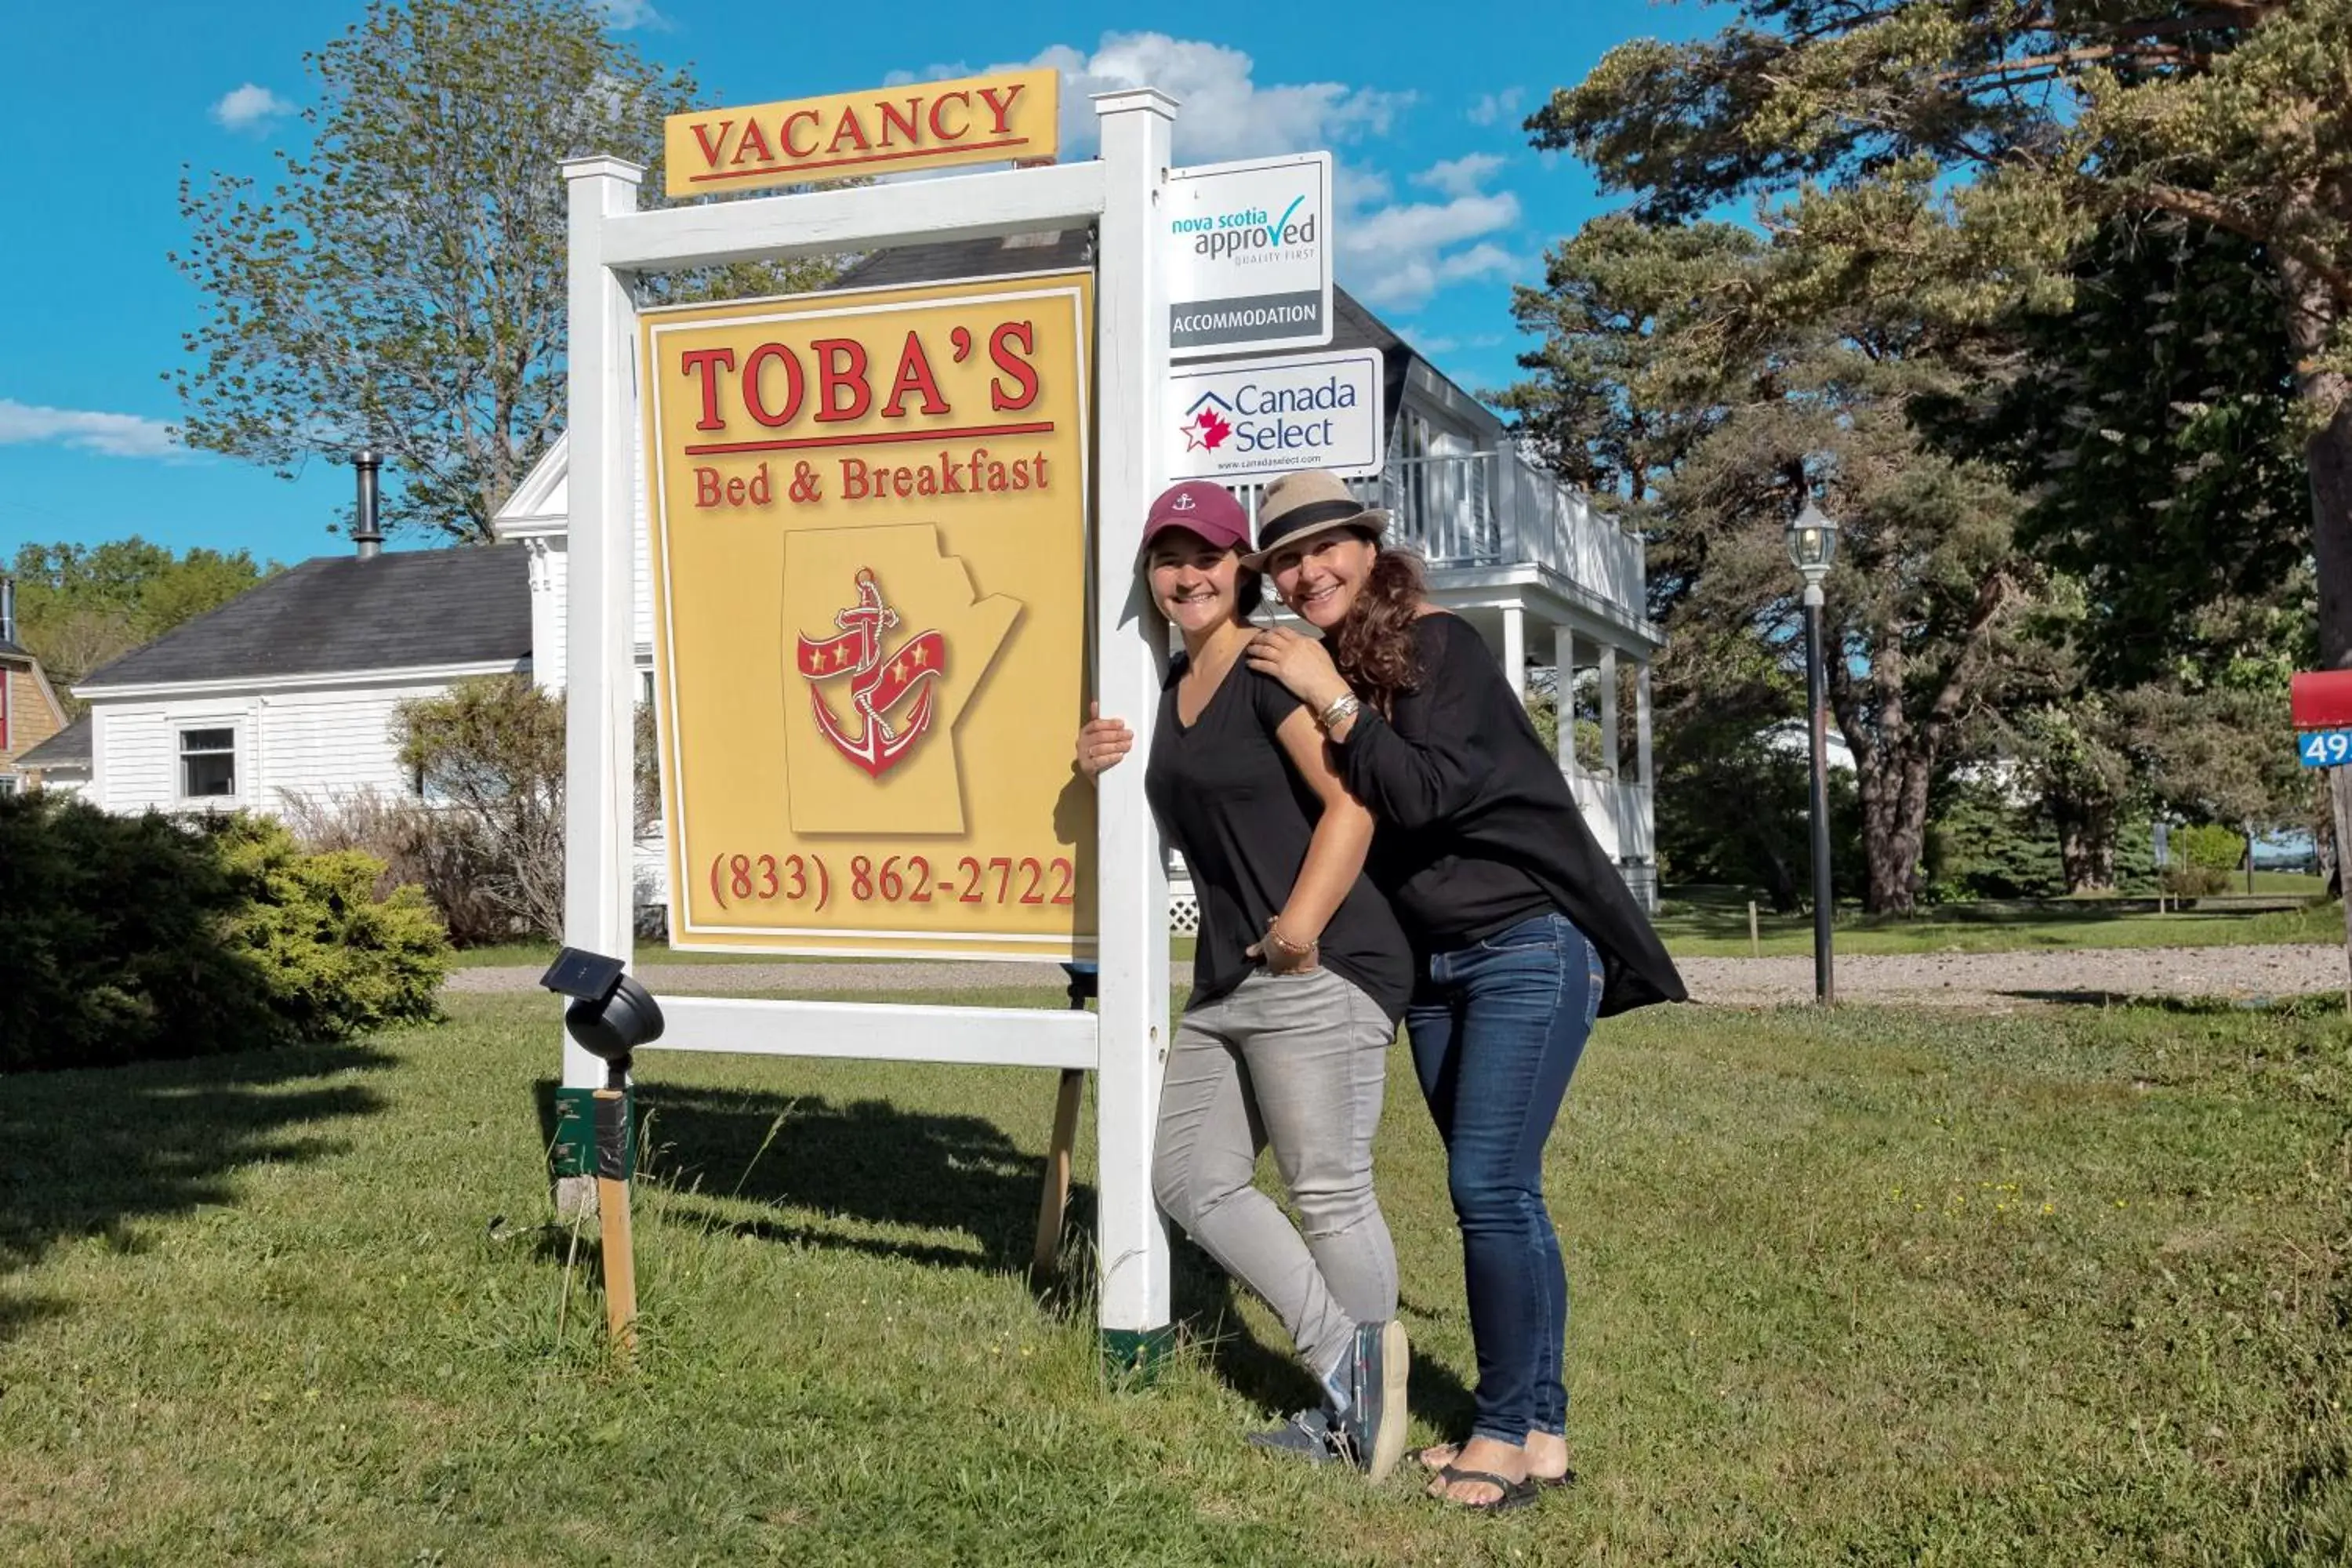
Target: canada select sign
pixel 1256 417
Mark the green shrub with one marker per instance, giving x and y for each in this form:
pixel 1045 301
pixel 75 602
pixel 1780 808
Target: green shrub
pixel 2208 845
pixel 124 939
pixel 1979 845
pixel 2194 882
pixel 336 958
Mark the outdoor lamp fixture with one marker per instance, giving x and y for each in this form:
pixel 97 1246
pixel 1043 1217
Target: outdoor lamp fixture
pixel 610 1016
pixel 1812 546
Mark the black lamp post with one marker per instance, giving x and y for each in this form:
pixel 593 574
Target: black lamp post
pixel 1813 545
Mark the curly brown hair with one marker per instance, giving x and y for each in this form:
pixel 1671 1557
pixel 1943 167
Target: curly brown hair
pixel 1373 647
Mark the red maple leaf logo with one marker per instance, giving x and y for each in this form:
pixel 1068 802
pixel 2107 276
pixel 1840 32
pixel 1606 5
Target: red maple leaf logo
pixel 1214 430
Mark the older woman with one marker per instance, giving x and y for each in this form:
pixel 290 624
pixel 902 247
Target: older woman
pixel 1522 932
pixel 1298 975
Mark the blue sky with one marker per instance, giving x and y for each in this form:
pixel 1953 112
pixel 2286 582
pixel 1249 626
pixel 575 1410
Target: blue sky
pixel 1442 204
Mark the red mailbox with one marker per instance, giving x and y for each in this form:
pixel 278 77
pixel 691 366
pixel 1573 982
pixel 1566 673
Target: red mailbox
pixel 2322 700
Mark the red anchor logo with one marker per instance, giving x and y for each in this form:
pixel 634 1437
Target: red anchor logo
pixel 877 681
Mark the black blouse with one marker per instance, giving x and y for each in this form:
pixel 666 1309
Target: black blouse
pixel 1478 827
pixel 1226 793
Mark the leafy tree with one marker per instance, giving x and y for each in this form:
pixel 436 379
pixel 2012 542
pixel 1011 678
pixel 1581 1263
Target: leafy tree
pixel 80 606
pixel 402 285
pixel 1717 379
pixel 492 749
pixel 1970 149
pixel 2155 428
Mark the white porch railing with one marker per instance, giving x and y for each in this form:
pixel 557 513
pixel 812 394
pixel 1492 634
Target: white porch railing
pixel 1495 509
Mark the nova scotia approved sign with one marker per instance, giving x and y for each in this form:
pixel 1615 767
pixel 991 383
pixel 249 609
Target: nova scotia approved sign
pixel 1249 255
pixel 868 517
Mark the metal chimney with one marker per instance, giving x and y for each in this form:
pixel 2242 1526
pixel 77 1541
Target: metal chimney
pixel 365 532
pixel 7 609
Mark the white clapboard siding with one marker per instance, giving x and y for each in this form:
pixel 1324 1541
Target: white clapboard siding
pixel 319 740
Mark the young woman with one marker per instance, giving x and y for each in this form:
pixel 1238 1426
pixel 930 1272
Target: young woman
pixel 1298 976
pixel 1522 932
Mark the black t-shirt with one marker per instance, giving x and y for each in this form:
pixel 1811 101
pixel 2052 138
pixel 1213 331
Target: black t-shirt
pixel 1478 829
pixel 1226 794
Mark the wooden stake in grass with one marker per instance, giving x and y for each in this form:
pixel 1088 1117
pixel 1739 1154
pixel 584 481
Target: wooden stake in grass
pixel 619 1246
pixel 2340 787
pixel 1054 1202
pixel 1755 941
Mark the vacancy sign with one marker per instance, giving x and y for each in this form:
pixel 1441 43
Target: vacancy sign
pixel 884 130
pixel 1248 249
pixel 1236 422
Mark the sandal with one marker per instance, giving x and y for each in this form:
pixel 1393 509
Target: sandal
pixel 1453 1451
pixel 1516 1494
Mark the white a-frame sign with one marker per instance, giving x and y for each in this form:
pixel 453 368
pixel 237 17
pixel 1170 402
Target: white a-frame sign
pixel 612 243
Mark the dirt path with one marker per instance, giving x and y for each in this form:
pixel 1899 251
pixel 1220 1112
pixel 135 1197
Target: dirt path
pixel 1974 980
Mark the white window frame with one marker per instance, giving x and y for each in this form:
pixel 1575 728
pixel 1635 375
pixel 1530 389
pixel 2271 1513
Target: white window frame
pixel 184 728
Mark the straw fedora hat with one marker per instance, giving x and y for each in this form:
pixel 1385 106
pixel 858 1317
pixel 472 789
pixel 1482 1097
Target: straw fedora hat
pixel 1298 506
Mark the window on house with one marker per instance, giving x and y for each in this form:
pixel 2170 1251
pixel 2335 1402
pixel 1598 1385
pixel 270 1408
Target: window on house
pixel 207 763
pixel 7 784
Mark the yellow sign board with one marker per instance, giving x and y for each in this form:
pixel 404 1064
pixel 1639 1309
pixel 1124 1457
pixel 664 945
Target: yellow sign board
pixel 890 130
pixel 869 569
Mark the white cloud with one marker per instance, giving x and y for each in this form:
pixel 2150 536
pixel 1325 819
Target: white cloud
pixel 114 435
pixel 249 106
pixel 1398 255
pixel 623 14
pixel 1493 107
pixel 1460 176
pixel 1389 254
pixel 1225 112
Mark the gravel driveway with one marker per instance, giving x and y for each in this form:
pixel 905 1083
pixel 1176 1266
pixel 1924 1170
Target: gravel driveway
pixel 1975 980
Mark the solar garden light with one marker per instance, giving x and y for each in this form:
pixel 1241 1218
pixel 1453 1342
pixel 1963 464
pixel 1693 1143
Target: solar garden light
pixel 610 1016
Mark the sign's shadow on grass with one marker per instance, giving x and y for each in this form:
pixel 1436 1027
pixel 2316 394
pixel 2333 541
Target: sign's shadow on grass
pixel 86 1155
pixel 844 1170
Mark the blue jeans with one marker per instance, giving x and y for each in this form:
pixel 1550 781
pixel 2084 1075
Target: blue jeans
pixel 1497 1032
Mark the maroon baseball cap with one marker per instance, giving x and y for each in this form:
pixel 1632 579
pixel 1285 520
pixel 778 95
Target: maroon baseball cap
pixel 1202 507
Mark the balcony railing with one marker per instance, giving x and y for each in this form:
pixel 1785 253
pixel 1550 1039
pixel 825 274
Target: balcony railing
pixel 1495 509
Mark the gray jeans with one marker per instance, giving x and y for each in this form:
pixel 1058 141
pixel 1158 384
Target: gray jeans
pixel 1296 1061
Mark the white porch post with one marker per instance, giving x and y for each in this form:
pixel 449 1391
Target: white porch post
pixel 1609 752
pixel 1515 651
pixel 598 733
pixel 1563 663
pixel 1131 640
pixel 1642 763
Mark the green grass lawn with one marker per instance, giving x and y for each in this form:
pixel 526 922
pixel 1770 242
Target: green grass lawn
pixel 1712 922
pixel 1867 1287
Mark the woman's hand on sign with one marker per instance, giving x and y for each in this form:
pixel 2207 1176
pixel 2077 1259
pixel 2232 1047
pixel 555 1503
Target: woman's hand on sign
pixel 1102 742
pixel 1302 664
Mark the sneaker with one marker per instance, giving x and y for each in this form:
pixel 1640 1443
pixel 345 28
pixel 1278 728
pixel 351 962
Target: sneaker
pixel 1372 1427
pixel 1308 1435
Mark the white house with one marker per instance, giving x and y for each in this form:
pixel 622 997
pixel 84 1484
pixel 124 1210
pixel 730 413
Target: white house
pixel 291 687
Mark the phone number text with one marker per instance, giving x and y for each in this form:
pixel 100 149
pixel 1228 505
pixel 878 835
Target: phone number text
pixel 810 880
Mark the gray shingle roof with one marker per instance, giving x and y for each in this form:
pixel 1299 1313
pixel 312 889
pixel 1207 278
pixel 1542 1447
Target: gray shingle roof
pixel 68 748
pixel 10 651
pixel 466 605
